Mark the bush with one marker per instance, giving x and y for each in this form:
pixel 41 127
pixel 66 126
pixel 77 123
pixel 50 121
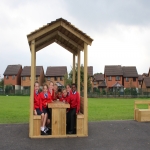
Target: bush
pixel 8 88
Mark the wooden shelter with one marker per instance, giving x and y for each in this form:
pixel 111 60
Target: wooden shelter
pixel 74 40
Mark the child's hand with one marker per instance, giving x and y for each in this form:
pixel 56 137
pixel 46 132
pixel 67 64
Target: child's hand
pixel 35 113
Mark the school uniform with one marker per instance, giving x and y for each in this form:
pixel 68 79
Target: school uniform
pixel 65 98
pixel 52 94
pixel 68 93
pixel 45 98
pixel 74 101
pixel 60 98
pixel 37 103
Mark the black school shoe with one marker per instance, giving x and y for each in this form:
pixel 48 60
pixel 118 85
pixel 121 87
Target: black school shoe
pixel 43 133
pixel 70 132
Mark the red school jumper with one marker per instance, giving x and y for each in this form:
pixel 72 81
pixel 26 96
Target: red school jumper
pixel 37 101
pixel 52 94
pixel 65 98
pixel 74 101
pixel 45 100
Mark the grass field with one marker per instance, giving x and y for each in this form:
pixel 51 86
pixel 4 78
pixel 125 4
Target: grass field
pixel 15 109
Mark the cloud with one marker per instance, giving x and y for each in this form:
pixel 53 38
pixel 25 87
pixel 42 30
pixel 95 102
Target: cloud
pixel 120 30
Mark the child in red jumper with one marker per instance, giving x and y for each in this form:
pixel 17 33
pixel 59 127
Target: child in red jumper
pixel 59 95
pixel 64 95
pixel 74 101
pixel 55 91
pixel 38 107
pixel 68 88
pixel 46 98
pixel 51 89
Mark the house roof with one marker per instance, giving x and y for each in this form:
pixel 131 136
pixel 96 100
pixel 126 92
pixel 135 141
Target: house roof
pixel 117 84
pixel 145 74
pixel 63 33
pixel 56 71
pixel 112 70
pixel 99 77
pixel 90 71
pixel 12 69
pixel 147 81
pixel 129 71
pixel 102 84
pixel 140 77
pixel 27 70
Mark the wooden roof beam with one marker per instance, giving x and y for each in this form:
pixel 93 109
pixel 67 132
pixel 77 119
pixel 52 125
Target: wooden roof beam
pixel 44 45
pixel 42 31
pixel 76 33
pixel 45 38
pixel 64 46
pixel 70 41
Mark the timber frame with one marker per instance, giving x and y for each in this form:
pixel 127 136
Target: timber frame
pixel 72 39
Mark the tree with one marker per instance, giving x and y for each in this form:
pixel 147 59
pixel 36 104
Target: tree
pixel 68 79
pixel 2 82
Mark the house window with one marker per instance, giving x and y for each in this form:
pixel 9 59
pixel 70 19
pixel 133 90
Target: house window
pixel 61 78
pixel 117 78
pixel 48 78
pixel 36 78
pixel 23 78
pixel 7 77
pixel 134 79
pixel 13 77
pixel 95 83
pixel 127 79
pixel 109 78
pixel 55 78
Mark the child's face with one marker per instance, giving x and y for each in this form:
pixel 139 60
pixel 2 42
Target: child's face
pixel 51 86
pixel 55 88
pixel 45 89
pixel 64 93
pixel 59 94
pixel 68 88
pixel 36 87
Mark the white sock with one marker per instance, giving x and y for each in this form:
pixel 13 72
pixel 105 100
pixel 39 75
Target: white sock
pixel 42 128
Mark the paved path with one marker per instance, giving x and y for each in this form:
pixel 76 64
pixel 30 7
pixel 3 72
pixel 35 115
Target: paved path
pixel 105 135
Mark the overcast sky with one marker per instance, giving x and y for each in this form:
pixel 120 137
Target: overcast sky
pixel 120 29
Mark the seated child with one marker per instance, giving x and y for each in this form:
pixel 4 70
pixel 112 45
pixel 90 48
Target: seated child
pixel 51 89
pixel 59 95
pixel 68 88
pixel 46 98
pixel 55 91
pixel 38 107
pixel 64 95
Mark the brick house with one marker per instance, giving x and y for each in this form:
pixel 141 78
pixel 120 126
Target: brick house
pixel 130 77
pixel 26 76
pixel 12 76
pixel 56 74
pixel 90 73
pixel 146 84
pixel 140 80
pixel 113 75
pixel 98 81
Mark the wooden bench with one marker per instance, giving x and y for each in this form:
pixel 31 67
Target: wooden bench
pixel 142 115
pixel 80 118
pixel 36 125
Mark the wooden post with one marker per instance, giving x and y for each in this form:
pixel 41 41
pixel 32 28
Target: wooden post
pixel 85 90
pixel 78 84
pixel 73 78
pixel 32 87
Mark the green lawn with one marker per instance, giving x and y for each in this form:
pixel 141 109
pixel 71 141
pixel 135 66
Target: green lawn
pixel 15 109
